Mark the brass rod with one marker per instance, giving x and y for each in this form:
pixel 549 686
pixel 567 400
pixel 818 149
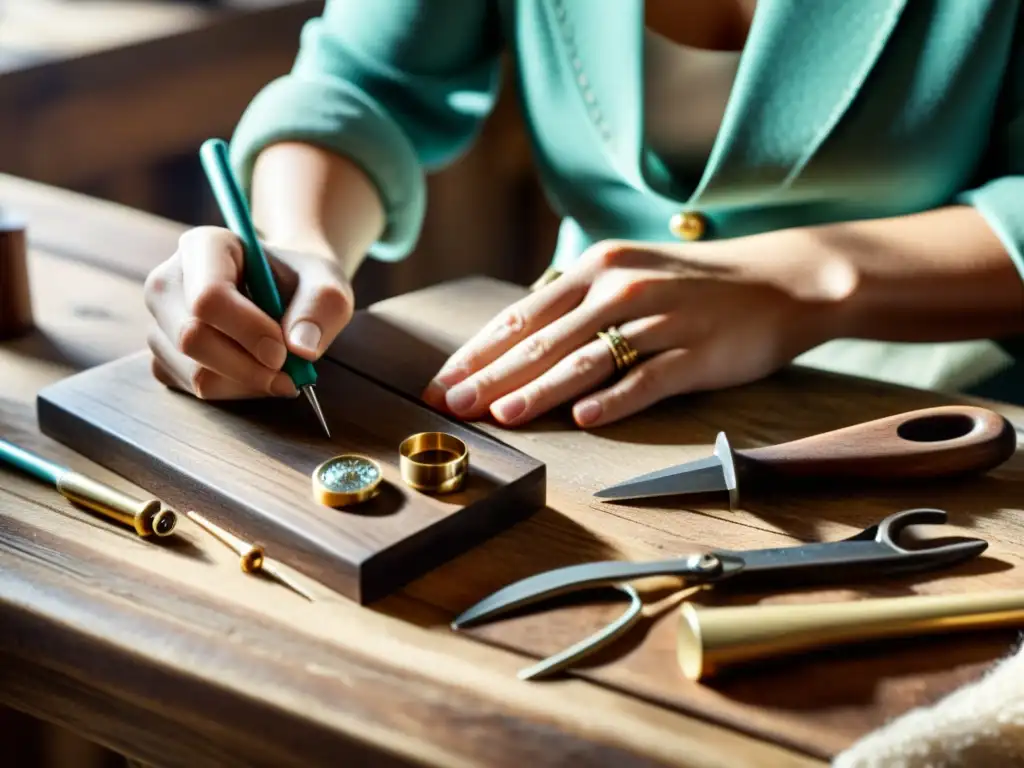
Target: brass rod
pixel 711 639
pixel 252 558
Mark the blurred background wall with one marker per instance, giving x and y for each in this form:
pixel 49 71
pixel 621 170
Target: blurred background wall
pixel 113 97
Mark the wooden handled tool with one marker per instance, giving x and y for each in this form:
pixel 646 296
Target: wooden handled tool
pixel 938 442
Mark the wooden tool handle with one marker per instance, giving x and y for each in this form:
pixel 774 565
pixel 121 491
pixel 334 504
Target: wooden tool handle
pixel 932 442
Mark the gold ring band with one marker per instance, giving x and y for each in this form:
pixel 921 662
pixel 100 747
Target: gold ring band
pixel 622 351
pixel 434 462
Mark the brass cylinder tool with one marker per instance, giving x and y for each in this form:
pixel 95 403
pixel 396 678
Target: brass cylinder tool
pixel 253 558
pixel 147 517
pixel 345 480
pixel 434 462
pixel 712 639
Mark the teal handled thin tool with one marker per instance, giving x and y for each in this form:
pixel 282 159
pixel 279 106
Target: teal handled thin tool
pixel 146 516
pixel 259 279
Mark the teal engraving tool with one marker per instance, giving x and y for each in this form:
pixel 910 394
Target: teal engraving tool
pixel 147 517
pixel 259 280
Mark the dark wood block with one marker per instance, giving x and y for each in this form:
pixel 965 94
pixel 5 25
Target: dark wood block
pixel 248 466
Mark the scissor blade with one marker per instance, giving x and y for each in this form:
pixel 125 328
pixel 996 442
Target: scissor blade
pixel 700 476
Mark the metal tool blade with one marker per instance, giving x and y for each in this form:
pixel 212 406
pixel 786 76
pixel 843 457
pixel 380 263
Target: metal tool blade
pixel 700 476
pixel 713 474
pixel 311 397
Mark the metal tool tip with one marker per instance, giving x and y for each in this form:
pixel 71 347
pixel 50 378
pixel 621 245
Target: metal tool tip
pixel 311 397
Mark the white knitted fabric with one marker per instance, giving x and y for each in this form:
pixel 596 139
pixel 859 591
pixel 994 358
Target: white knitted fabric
pixel 978 725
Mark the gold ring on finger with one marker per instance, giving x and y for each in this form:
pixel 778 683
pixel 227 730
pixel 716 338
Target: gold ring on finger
pixel 623 353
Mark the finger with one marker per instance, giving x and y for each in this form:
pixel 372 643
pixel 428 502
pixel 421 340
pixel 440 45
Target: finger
pixel 320 308
pixel 579 372
pixel 668 373
pixel 534 355
pixel 212 349
pixel 211 263
pixel 177 370
pixel 510 327
pixel 165 375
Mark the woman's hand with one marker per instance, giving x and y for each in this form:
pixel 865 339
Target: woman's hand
pixel 701 316
pixel 212 341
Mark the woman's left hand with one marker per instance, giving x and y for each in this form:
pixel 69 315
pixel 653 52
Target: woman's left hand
pixel 701 316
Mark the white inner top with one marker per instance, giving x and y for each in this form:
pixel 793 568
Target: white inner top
pixel 686 90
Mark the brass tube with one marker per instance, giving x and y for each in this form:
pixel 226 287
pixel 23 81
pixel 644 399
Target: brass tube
pixel 146 516
pixel 711 639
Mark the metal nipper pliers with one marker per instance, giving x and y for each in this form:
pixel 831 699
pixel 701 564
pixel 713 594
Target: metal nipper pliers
pixel 874 553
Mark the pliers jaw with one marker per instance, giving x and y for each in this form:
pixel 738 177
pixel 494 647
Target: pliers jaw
pixel 876 552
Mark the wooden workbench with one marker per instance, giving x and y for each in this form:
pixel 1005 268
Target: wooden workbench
pixel 171 655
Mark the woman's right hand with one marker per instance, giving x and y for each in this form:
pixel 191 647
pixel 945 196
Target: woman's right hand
pixel 212 341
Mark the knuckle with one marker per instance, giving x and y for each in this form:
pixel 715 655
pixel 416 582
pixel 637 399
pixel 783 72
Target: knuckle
pixel 209 301
pixel 483 380
pixel 583 364
pixel 191 337
pixel 607 254
pixel 464 361
pixel 157 284
pixel 535 347
pixel 332 300
pixel 511 322
pixel 633 289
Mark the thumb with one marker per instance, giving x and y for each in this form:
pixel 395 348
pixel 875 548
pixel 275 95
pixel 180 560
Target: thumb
pixel 320 307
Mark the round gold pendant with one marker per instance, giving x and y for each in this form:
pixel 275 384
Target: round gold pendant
pixel 347 479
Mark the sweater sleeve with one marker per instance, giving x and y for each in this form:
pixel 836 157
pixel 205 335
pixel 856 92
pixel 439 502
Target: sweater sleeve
pixel 999 192
pixel 400 87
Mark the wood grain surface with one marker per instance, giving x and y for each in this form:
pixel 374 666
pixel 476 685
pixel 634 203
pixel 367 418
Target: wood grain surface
pixel 171 655
pixel 248 466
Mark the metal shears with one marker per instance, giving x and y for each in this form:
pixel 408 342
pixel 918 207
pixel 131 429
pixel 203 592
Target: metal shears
pixel 875 552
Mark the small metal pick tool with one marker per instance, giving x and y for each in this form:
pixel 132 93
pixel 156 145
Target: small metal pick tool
pixel 252 556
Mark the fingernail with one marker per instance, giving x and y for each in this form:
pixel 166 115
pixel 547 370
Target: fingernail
pixel 461 398
pixel 306 335
pixel 450 377
pixel 434 393
pixel 271 353
pixel 587 412
pixel 510 408
pixel 283 386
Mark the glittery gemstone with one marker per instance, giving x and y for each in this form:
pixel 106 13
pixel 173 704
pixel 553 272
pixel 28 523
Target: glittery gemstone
pixel 349 473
